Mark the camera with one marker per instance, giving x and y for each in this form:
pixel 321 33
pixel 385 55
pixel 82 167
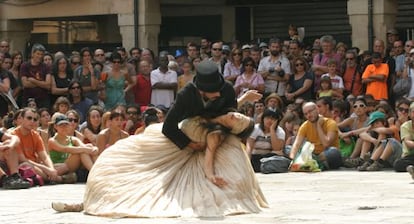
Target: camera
pixel 281 73
pixel 271 69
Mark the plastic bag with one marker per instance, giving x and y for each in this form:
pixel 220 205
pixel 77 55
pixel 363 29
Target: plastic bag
pixel 304 162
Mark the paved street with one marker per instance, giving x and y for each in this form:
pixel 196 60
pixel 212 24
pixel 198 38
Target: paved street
pixel 330 197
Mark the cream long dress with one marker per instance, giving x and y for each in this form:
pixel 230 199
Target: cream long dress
pixel 146 175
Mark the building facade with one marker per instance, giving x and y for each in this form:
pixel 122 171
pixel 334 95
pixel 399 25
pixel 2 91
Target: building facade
pixel 169 24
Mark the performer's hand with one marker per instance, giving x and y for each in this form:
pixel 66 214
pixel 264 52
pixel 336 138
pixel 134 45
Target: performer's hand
pixel 250 96
pixel 198 146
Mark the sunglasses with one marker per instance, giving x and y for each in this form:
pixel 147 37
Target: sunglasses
pixel 30 118
pixel 350 59
pixel 73 120
pixel 217 49
pixel 359 105
pixel 408 46
pixel 405 110
pixel 299 64
pixel 99 55
pixel 307 54
pixel 75 87
pixel 75 63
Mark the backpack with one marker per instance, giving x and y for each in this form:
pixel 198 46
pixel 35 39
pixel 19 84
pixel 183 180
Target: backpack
pixel 27 173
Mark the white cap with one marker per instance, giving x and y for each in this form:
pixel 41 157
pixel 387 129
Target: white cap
pixel 246 46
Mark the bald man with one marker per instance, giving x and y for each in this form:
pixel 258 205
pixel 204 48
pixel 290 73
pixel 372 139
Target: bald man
pixel 323 133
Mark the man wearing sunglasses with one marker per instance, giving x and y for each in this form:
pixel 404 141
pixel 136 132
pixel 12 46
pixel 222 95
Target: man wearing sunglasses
pixel 31 150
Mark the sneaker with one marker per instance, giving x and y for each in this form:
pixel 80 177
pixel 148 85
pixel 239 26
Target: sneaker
pixel 69 178
pixel 410 170
pixel 352 163
pixel 15 182
pixel 364 166
pixel 63 207
pixel 376 166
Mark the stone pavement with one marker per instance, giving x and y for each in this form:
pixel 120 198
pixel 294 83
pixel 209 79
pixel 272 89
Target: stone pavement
pixel 344 196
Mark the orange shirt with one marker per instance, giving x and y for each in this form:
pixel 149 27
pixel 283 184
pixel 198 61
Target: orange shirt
pixel 30 144
pixel 378 89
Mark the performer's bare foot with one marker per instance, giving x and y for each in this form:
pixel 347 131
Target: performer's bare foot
pixel 218 181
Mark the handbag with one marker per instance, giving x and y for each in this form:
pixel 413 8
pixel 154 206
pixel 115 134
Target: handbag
pixel 27 173
pixel 274 164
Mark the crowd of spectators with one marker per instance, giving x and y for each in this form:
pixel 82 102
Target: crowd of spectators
pixel 60 111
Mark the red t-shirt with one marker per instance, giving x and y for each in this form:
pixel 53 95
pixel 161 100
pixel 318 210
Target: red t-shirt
pixel 142 90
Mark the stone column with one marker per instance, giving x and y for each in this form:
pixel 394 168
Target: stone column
pixel 17 32
pixel 126 28
pixel 384 17
pixel 149 24
pixel 358 18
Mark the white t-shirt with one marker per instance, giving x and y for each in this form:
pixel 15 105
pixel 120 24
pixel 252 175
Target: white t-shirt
pixel 262 141
pixel 337 81
pixel 162 96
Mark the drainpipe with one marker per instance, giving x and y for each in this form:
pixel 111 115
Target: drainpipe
pixel 370 25
pixel 136 22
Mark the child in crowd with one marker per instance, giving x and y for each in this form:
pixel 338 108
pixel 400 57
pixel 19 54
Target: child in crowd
pixel 336 80
pixel 187 75
pixel 325 88
pixel 68 153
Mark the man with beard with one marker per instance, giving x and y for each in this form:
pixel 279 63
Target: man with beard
pixel 323 133
pixel 275 69
pixel 209 95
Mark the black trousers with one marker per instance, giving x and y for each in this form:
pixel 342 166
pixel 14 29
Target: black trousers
pixel 400 165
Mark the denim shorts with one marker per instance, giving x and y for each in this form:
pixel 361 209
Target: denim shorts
pixel 396 149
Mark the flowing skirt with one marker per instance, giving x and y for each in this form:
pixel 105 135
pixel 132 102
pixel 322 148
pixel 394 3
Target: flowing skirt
pixel 146 175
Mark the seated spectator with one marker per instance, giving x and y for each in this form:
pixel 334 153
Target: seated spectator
pixel 406 162
pixel 109 136
pixel 267 138
pixel 61 105
pixel 134 119
pixel 274 102
pixel 73 118
pixel 351 127
pixel 31 150
pixel 9 163
pixel 323 133
pixel 150 116
pixel 78 101
pixel 386 144
pixel 93 124
pixel 67 152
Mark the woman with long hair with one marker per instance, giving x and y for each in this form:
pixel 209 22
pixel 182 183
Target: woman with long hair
pixel 267 139
pixel 300 83
pixel 17 59
pixel 93 124
pixel 61 77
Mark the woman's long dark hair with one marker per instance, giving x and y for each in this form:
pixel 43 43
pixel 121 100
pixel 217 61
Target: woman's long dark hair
pixel 277 114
